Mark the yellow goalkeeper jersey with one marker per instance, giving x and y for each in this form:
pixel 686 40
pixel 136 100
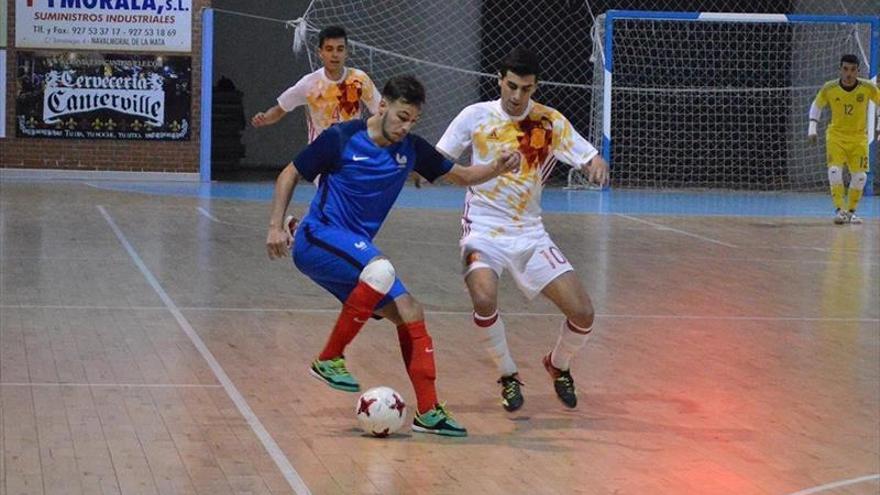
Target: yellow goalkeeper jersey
pixel 849 109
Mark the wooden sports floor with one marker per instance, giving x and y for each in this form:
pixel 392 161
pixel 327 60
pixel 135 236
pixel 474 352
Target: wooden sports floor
pixel 148 346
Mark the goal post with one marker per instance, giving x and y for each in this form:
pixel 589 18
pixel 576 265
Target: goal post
pixel 721 100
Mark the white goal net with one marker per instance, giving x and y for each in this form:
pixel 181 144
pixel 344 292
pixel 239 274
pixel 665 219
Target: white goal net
pixel 454 49
pixel 713 105
pixel 719 104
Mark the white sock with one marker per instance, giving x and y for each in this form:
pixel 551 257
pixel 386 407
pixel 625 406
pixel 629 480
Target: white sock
pixel 571 339
pixel 494 339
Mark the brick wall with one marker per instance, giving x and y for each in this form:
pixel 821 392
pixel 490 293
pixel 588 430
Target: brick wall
pixel 87 154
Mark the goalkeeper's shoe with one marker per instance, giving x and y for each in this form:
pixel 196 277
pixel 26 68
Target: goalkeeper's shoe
pixel 852 218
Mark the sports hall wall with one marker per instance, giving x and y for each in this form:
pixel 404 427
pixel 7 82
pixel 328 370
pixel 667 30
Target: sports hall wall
pixel 175 150
pixel 256 54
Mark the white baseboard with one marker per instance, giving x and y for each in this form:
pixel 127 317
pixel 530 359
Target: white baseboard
pixel 67 174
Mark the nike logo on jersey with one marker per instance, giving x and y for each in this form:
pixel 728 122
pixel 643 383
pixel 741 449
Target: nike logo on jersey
pixel 429 349
pixel 360 245
pixel 359 158
pixel 359 320
pixel 401 160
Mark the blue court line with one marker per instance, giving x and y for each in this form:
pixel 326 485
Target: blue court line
pixel 555 200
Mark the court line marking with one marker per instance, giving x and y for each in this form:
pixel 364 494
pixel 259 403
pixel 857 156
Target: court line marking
pixel 801 248
pixel 290 475
pixel 81 306
pixel 598 315
pixel 454 313
pixel 847 261
pixel 837 484
pixel 120 385
pixel 212 218
pixel 662 227
pixel 206 213
pixel 449 245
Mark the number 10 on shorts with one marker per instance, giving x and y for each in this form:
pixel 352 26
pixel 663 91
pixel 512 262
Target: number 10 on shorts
pixel 553 256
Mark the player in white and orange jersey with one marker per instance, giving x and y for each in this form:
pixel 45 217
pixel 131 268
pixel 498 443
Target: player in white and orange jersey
pixel 332 94
pixel 502 226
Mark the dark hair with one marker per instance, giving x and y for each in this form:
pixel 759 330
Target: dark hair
pixel 849 58
pixel 331 32
pixel 405 88
pixel 522 62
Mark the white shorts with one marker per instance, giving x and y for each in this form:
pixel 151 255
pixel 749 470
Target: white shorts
pixel 532 258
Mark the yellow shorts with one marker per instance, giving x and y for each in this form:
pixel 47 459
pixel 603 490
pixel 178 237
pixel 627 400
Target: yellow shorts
pixel 853 156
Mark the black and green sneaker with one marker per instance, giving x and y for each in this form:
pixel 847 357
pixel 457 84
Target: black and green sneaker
pixel 333 373
pixel 439 422
pixel 511 394
pixel 563 383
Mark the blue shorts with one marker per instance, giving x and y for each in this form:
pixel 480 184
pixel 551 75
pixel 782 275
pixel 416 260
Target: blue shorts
pixel 334 259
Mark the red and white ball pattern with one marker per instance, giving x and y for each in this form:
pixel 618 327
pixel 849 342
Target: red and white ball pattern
pixel 380 411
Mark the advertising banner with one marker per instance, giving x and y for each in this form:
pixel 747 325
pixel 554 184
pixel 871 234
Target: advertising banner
pixel 103 96
pixel 128 25
pixel 3 16
pixel 2 93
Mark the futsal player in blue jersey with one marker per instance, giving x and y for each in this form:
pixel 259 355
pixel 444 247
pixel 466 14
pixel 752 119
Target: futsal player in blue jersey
pixel 363 166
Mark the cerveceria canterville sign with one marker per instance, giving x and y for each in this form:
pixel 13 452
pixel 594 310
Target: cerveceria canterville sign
pixel 103 96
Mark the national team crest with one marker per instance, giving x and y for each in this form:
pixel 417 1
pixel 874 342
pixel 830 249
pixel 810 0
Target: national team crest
pixel 472 258
pixel 860 98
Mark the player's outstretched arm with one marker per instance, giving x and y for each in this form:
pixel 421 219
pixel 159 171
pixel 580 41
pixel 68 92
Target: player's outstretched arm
pixel 597 170
pixel 269 117
pixel 279 238
pixel 815 116
pixel 507 161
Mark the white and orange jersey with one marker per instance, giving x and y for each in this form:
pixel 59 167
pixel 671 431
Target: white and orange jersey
pixel 330 102
pixel 511 202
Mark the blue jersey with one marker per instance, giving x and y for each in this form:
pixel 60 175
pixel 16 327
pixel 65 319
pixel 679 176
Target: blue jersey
pixel 359 179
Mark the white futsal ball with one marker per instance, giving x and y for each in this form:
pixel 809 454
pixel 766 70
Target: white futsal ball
pixel 380 411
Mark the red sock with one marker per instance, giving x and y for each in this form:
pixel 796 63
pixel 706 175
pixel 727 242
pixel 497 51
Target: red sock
pixel 355 312
pixel 418 354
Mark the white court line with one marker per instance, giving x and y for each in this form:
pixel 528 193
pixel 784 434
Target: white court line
pixel 455 313
pixel 208 214
pixel 212 218
pixel 801 248
pixel 293 478
pixel 421 243
pixel 81 306
pixel 615 252
pixel 677 231
pixel 515 313
pixel 120 385
pixel 837 484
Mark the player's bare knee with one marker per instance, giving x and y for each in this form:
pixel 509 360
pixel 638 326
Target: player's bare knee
pixel 379 274
pixel 485 304
pixel 583 317
pixel 858 180
pixel 835 175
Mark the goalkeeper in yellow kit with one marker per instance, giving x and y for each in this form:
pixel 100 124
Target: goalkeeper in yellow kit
pixel 846 140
